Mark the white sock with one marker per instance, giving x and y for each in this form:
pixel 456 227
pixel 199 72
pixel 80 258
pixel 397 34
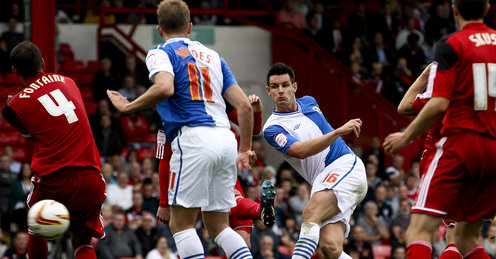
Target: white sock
pixel 188 244
pixel 307 242
pixel 344 255
pixel 233 244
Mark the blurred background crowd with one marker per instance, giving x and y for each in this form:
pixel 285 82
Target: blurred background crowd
pixel 386 43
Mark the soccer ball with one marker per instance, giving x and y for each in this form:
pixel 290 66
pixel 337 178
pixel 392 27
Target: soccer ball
pixel 48 219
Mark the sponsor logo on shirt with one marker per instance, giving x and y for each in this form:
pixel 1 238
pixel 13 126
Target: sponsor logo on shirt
pixel 281 140
pixel 317 109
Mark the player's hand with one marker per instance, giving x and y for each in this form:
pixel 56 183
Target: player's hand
pixel 256 103
pixel 426 71
pixel 395 142
pixel 354 125
pixel 120 102
pixel 245 160
pixel 163 214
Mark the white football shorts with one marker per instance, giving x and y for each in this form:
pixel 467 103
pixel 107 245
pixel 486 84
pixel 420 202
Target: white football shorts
pixel 346 177
pixel 203 168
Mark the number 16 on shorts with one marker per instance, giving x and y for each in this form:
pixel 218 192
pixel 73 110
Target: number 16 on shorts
pixel 331 179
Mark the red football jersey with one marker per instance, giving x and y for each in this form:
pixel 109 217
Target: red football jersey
pixel 466 75
pixel 434 133
pixel 50 110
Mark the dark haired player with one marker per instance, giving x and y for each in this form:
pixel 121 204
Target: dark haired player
pixel 49 110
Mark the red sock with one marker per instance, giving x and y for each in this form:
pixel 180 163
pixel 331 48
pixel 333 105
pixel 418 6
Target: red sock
pixel 37 247
pixel 451 253
pixel 477 252
pixel 246 209
pixel 419 250
pixel 85 252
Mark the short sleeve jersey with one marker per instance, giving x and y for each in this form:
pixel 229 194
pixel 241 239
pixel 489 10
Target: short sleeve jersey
pixel 465 65
pixel 283 129
pixel 49 109
pixel 201 78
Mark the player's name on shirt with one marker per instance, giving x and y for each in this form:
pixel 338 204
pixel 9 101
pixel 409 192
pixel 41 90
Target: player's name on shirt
pixel 183 53
pixel 44 80
pixel 482 39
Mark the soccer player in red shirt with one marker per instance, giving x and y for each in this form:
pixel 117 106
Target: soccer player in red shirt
pixel 460 178
pixel 49 110
pixel 412 103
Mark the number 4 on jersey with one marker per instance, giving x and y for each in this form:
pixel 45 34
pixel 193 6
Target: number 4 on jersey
pixel 64 106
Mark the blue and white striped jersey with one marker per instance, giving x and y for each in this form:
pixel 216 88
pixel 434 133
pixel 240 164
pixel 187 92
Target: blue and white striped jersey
pixel 201 77
pixel 283 129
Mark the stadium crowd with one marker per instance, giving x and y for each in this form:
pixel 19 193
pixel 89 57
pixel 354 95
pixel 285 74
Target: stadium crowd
pixel 386 43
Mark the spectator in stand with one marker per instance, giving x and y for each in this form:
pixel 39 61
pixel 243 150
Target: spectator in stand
pixel 337 39
pixel 269 173
pixel 313 29
pixel 398 252
pixel 103 108
pixel 121 18
pixel 372 180
pixel 402 38
pixel 374 227
pixel 7 178
pixel 104 79
pixel 150 202
pixel 135 213
pixel 436 22
pixel 395 172
pixel 359 20
pixel 128 88
pixel 400 224
pixel 259 151
pixel 383 210
pixel 12 36
pixel 149 232
pixel 107 172
pixel 356 53
pixel 387 23
pixel 376 149
pixel 116 162
pixel 119 195
pixel 414 54
pixel 290 233
pixel 289 18
pixel 357 243
pixel 406 14
pixel 15 166
pixel 19 250
pixel 379 52
pixel 147 167
pixel 259 231
pixel 120 240
pixel 15 11
pixel 490 241
pixel 135 128
pixel 156 185
pixel 376 77
pixel 5 66
pixel 130 69
pixel 93 14
pixel 162 250
pixel 399 83
pixel 412 183
pixel 107 139
pixel 281 207
pixel 205 19
pixel 19 194
pixel 268 250
pixel 298 202
pixel 135 176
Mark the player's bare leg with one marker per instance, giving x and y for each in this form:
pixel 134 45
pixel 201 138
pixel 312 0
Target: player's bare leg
pixel 332 238
pixel 466 240
pixel 232 243
pixel 322 205
pixel 246 237
pixel 419 235
pixel 82 247
pixel 451 252
pixel 182 225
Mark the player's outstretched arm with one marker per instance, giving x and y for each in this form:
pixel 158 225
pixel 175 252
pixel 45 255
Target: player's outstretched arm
pixel 434 108
pixel 237 98
pixel 311 147
pixel 162 89
pixel 406 107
